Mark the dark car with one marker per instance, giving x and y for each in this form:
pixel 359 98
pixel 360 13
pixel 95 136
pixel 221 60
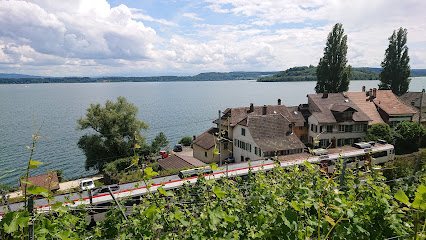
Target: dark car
pixel 177 148
pixel 105 189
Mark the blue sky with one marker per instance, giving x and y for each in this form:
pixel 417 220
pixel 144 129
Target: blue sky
pixel 186 37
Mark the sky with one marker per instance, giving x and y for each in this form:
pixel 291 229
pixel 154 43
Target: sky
pixel 186 37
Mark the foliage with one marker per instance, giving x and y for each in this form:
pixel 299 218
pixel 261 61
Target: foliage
pixel 403 165
pixel 407 136
pixel 116 131
pixel 60 174
pixel 185 141
pixel 332 73
pixel 160 141
pixel 379 131
pixel 309 74
pixel 396 69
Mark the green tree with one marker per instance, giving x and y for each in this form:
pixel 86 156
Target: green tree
pixel 407 136
pixel 379 131
pixel 396 69
pixel 116 130
pixel 186 141
pixel 160 141
pixel 332 73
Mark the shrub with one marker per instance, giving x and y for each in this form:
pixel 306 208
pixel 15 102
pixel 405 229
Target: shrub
pixel 186 141
pixel 407 136
pixel 379 131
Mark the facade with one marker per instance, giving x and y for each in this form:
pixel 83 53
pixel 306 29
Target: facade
pixel 264 136
pixel 335 121
pixel 205 144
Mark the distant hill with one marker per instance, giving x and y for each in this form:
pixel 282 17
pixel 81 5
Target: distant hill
pixel 309 74
pixel 210 76
pixel 14 75
pixel 414 72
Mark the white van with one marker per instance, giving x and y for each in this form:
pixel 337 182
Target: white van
pixel 86 184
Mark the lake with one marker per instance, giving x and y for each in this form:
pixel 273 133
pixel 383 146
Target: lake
pixel 176 108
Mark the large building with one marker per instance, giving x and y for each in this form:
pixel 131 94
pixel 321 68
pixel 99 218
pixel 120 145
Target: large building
pixel 335 120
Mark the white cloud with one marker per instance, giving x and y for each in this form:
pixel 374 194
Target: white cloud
pixel 192 16
pixel 137 14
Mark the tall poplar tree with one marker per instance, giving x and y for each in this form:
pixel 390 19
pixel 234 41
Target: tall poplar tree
pixel 332 73
pixel 395 67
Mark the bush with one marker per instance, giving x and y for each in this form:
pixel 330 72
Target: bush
pixel 403 165
pixel 186 141
pixel 379 131
pixel 407 136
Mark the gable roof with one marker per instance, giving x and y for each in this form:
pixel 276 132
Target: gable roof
pixel 273 132
pixel 178 161
pixel 335 101
pixel 413 97
pixel 297 115
pixel 48 181
pixel 207 140
pixel 367 106
pixel 390 104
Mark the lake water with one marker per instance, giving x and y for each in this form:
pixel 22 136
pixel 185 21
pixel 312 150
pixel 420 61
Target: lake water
pixel 176 108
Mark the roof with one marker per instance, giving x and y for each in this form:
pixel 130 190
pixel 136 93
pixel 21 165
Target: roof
pixel 238 114
pixel 368 107
pixel 390 104
pixel 49 181
pixel 273 132
pixel 336 102
pixel 178 161
pixel 207 140
pixel 297 115
pixel 413 97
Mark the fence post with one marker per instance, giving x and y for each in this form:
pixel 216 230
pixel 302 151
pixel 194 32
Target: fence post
pixel 30 209
pixel 342 176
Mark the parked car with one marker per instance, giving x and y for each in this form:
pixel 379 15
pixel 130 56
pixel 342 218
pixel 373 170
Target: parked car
pixel 177 148
pixel 86 184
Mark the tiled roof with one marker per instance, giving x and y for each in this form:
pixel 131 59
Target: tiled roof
pixel 333 99
pixel 389 103
pixel 368 107
pixel 207 140
pixel 273 132
pixel 49 181
pixel 178 161
pixel 410 97
pixel 238 114
pixel 299 120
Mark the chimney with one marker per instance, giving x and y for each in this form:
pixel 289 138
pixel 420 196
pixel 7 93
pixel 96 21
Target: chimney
pixel 194 137
pixel 279 101
pixel 264 110
pixel 251 108
pixel 374 92
pixel 363 88
pixel 325 94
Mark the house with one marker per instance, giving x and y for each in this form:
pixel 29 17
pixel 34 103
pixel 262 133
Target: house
pixel 335 121
pixel 390 108
pixel 48 181
pixel 205 144
pixel 262 136
pixel 412 101
pixel 300 115
pixel 179 161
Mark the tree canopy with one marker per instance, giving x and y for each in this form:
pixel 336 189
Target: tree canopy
pixel 407 136
pixel 115 131
pixel 332 73
pixel 379 131
pixel 396 69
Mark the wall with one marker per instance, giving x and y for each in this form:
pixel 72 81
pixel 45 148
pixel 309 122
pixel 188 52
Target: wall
pixel 238 152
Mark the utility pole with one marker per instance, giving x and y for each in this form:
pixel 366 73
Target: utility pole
pixel 220 138
pixel 30 208
pixel 116 202
pixel 416 166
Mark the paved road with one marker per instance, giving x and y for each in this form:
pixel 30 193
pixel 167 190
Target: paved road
pixel 127 186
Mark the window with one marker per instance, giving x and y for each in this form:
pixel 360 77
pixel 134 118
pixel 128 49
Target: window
pixel 260 152
pixel 205 154
pixel 250 147
pixel 300 128
pixel 340 142
pixel 329 128
pixel 345 128
pixel 255 150
pixel 225 146
pixel 314 128
pixel 243 131
pixel 235 142
pixel 320 128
